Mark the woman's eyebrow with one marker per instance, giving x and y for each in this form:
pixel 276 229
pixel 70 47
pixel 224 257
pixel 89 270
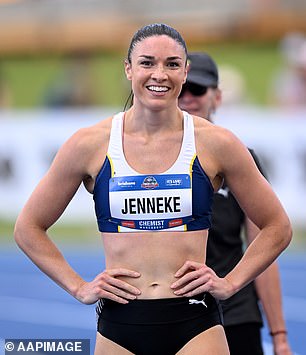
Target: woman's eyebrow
pixel 152 57
pixel 146 56
pixel 174 58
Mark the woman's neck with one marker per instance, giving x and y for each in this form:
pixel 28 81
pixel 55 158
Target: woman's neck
pixel 152 121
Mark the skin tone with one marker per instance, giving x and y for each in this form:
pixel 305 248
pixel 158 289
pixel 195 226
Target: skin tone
pixel 204 106
pixel 153 264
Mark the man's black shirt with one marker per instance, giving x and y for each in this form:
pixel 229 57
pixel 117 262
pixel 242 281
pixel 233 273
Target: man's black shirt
pixel 224 250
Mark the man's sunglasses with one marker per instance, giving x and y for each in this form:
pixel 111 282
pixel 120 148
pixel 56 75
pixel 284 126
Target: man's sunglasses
pixel 194 89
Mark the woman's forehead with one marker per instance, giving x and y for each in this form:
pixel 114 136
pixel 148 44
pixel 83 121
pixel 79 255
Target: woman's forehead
pixel 157 46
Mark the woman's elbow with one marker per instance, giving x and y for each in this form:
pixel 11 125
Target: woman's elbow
pixel 20 233
pixel 283 232
pixel 287 232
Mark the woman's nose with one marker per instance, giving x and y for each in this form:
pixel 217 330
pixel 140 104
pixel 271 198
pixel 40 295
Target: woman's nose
pixel 159 74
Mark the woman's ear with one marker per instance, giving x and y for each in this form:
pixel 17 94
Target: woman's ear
pixel 186 72
pixel 128 69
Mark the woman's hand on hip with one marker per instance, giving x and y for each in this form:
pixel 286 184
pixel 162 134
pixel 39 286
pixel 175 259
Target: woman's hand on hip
pixel 194 278
pixel 107 285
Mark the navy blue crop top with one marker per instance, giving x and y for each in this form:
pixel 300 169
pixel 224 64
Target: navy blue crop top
pixel 179 199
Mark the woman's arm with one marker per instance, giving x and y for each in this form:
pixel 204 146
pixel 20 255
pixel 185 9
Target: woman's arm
pixel 231 159
pixel 45 206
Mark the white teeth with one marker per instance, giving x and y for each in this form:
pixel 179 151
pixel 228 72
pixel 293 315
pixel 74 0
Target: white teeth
pixel 158 88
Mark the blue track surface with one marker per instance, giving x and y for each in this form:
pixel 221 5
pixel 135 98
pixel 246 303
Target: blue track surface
pixel 32 306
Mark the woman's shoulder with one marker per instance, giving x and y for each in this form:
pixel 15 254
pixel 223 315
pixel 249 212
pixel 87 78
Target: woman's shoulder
pixel 92 134
pixel 101 127
pixel 88 140
pixel 206 131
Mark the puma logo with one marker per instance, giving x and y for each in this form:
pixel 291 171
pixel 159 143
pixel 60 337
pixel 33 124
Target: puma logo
pixel 193 301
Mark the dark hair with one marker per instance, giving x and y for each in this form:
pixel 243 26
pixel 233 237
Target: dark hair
pixel 155 29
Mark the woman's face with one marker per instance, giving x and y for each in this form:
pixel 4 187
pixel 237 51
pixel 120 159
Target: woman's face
pixel 157 71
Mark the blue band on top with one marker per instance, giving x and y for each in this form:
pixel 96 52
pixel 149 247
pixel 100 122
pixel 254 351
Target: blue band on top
pixel 150 182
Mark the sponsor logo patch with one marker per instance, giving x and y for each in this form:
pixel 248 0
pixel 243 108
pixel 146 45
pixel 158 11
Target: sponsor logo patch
pixel 128 224
pixel 149 183
pixel 175 223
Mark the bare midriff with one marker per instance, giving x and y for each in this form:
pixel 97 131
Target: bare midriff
pixel 157 256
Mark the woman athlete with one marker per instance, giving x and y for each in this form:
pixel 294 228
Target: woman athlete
pixel 152 171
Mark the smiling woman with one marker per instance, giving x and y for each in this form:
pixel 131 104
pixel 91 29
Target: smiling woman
pixel 159 64
pixel 152 171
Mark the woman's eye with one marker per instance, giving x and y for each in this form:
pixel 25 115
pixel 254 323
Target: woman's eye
pixel 146 63
pixel 173 64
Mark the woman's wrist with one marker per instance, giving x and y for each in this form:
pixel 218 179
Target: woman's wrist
pixel 231 289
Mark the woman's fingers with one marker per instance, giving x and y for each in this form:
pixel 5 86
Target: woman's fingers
pixel 108 285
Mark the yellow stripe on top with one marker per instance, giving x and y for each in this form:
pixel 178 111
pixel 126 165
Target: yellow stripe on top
pixel 112 172
pixel 190 173
pixel 111 165
pixel 191 165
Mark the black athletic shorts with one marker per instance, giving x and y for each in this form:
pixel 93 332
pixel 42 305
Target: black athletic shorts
pixel 157 326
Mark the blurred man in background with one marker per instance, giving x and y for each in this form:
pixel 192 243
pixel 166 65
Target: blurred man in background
pixel 288 88
pixel 202 96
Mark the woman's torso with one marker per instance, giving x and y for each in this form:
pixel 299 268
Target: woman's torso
pixel 156 255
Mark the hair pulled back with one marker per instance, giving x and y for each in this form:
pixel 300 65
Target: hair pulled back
pixel 155 29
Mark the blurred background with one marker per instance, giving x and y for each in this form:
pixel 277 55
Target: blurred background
pixel 61 68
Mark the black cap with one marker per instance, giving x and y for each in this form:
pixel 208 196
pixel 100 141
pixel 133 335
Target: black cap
pixel 202 70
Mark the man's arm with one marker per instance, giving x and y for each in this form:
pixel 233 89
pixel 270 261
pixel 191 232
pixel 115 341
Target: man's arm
pixel 268 288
